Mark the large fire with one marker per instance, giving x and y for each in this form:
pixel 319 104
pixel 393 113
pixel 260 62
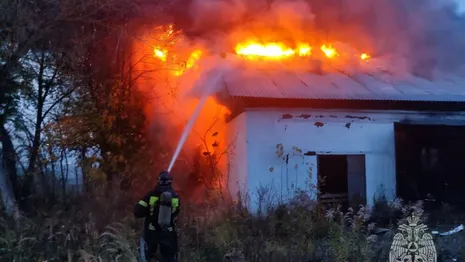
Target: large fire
pixel 251 50
pixel 176 58
pixel 276 50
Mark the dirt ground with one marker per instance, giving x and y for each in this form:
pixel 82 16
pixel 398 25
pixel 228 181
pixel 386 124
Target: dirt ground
pixel 443 219
pixel 451 248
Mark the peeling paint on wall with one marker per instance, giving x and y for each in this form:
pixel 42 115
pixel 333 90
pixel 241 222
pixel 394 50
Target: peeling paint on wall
pixel 305 116
pixel 339 137
pixel 358 117
pixel 310 153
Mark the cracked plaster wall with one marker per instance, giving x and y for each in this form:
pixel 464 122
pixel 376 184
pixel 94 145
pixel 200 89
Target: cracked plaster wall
pixel 304 134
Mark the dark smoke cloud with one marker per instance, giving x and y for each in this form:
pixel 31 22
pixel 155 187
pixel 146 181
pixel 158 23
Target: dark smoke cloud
pixel 428 33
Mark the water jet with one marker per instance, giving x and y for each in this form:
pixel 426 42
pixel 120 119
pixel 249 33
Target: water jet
pixel 211 80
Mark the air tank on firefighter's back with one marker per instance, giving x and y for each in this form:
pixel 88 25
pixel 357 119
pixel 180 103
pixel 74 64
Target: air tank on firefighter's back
pixel 164 213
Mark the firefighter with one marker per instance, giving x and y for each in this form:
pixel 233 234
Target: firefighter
pixel 160 207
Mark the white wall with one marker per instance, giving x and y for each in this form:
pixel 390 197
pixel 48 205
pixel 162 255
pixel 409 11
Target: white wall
pixel 370 133
pixel 237 156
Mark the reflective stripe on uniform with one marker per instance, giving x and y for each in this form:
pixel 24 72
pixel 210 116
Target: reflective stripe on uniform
pixel 153 200
pixel 151 227
pixel 143 203
pixel 175 204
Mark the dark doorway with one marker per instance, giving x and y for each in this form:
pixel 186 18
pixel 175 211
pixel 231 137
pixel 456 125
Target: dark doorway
pixel 430 162
pixel 341 178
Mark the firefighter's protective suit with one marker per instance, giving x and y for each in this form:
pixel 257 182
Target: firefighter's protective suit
pixel 160 207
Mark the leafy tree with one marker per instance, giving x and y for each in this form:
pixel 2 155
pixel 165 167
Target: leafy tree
pixel 67 63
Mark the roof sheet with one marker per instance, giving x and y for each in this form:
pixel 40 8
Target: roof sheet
pixel 335 85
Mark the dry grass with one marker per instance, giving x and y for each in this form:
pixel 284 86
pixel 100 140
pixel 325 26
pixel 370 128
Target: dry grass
pixel 299 231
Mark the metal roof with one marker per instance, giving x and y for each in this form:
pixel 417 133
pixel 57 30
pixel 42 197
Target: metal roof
pixel 283 84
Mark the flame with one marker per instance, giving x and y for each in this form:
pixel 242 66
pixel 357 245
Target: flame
pixel 275 50
pixel 176 59
pixel 364 56
pixel 304 49
pixel 161 54
pixel 271 50
pixel 329 51
pixel 168 36
pixel 249 49
pixel 171 57
pixel 193 58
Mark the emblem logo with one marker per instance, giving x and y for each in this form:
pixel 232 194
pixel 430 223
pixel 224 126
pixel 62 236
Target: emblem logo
pixel 412 244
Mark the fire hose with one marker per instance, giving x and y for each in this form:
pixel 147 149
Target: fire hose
pixel 142 244
pixel 143 247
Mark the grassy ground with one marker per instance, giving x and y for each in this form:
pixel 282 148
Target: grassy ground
pixel 103 230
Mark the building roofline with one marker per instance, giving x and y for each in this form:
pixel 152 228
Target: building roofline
pixel 254 102
pixel 241 104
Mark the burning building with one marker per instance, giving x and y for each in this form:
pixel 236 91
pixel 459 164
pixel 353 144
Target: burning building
pixel 363 135
pixel 287 109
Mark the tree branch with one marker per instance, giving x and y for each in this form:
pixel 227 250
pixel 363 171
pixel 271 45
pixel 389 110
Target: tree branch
pixel 57 101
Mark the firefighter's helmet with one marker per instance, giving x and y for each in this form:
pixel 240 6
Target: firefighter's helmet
pixel 164 178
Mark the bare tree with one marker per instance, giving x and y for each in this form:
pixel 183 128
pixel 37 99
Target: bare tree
pixel 52 86
pixel 51 51
pixel 42 31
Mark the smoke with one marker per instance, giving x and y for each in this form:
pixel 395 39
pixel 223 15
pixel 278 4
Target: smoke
pixel 427 33
pixel 405 36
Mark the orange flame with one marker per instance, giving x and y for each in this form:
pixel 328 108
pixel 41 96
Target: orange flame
pixel 176 61
pixel 194 57
pixel 161 54
pixel 249 49
pixel 304 49
pixel 275 50
pixel 364 56
pixel 168 38
pixel 271 50
pixel 329 51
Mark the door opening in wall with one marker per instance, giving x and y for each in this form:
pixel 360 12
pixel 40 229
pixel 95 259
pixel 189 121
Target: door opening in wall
pixel 429 160
pixel 341 179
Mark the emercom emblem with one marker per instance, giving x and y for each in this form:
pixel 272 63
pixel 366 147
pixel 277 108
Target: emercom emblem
pixel 412 244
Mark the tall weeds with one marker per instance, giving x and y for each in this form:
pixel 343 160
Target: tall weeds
pixel 293 232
